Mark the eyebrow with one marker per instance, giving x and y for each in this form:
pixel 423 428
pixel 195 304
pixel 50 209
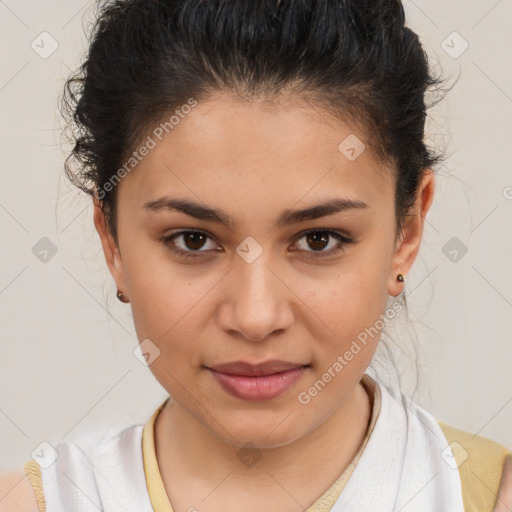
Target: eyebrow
pixel 287 218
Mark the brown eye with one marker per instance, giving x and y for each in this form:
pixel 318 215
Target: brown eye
pixel 323 242
pixel 194 241
pixel 189 243
pixel 318 240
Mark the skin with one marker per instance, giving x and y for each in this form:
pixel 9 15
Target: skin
pixel 504 498
pixel 254 162
pixel 292 148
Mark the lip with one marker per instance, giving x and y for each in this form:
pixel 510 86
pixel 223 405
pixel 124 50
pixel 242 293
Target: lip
pixel 261 381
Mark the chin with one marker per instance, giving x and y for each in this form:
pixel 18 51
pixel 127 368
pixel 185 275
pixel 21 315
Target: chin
pixel 264 429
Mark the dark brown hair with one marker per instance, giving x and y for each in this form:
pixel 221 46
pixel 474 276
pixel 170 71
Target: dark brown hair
pixel 148 58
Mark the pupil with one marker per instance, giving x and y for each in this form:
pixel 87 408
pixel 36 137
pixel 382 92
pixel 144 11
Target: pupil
pixel 194 240
pixel 318 240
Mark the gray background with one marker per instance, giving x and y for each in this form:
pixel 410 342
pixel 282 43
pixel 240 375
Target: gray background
pixel 66 363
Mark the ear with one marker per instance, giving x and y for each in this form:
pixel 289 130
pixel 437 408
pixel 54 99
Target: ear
pixel 409 240
pixel 110 249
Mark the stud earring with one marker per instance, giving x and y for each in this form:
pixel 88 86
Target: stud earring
pixel 121 297
pixel 401 278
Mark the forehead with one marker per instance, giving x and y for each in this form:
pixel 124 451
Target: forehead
pixel 233 152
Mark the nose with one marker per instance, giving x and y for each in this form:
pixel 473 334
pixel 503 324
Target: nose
pixel 257 303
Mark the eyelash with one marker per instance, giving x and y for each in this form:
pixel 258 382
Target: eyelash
pixel 342 238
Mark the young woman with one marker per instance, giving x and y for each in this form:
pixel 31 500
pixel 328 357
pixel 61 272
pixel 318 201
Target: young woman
pixel 260 183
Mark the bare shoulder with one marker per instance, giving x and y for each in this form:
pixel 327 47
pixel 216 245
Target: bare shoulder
pixel 16 493
pixel 504 498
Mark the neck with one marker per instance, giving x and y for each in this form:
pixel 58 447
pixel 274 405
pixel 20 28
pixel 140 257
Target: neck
pixel 185 448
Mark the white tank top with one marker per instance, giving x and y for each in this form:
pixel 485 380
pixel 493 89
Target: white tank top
pixel 407 466
pixel 107 475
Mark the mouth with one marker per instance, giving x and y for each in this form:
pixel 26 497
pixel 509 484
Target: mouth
pixel 262 381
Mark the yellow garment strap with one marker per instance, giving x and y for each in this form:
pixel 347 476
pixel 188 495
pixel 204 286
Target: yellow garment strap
pixel 33 472
pixel 480 463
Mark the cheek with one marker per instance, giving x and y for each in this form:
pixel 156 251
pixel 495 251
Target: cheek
pixel 162 294
pixel 349 304
pixel 349 298
pixel 171 306
pixel 167 308
pixel 168 305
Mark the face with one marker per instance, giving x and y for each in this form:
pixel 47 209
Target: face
pixel 228 254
